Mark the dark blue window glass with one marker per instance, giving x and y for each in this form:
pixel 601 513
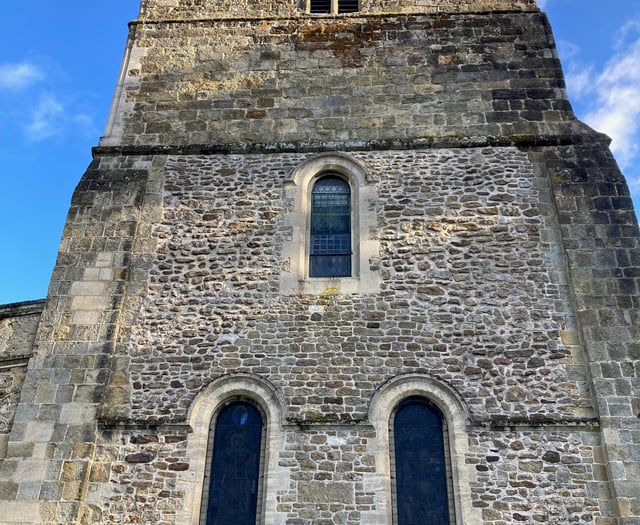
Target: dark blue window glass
pixel 235 468
pixel 420 464
pixel 330 239
pixel 320 6
pixel 347 6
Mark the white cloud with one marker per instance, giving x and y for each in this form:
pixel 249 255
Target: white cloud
pixel 542 4
pixel 40 104
pixel 53 117
pixel 567 50
pixel 18 76
pixel 628 30
pixel 579 79
pixel 577 76
pixel 46 119
pixel 617 104
pixel 610 95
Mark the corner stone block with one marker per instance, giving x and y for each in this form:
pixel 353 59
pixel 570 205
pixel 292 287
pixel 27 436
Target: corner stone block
pixel 30 470
pixel 39 431
pixel 8 491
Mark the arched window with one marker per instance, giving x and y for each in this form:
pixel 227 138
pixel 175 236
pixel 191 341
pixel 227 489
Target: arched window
pixel 330 229
pixel 234 467
pixel 345 258
pixel 422 479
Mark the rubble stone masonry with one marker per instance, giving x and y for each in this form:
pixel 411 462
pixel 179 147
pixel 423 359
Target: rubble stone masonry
pixel 496 274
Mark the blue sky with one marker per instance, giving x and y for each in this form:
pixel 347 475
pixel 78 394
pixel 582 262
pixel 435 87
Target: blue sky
pixel 58 69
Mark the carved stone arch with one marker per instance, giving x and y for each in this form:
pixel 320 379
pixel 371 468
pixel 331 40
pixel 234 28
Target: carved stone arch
pixel 444 396
pixel 382 406
pixel 365 278
pixel 204 408
pixel 219 391
pixel 337 161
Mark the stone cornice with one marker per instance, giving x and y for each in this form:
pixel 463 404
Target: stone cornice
pixel 521 141
pixel 21 309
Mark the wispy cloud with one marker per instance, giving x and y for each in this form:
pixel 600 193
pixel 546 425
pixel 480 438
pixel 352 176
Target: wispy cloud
pixel 579 81
pixel 36 102
pixel 19 76
pixel 52 117
pixel 610 95
pixel 46 118
pixel 617 111
pixel 579 78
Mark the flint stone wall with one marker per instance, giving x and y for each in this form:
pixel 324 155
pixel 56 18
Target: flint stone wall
pixel 519 476
pixel 507 265
pixel 473 291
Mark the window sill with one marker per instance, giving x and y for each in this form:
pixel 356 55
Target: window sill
pixel 325 286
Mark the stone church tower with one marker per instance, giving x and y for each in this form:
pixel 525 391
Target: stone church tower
pixel 334 263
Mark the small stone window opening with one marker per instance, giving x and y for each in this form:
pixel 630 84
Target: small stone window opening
pixel 330 228
pixel 232 490
pixel 333 6
pixel 422 479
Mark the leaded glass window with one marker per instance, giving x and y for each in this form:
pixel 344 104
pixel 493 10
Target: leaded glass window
pixel 330 232
pixel 233 485
pixel 421 473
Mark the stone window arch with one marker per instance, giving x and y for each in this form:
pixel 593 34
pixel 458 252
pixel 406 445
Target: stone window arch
pixel 297 276
pixel 442 399
pixel 235 390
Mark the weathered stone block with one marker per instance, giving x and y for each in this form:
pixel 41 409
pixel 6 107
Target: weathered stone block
pixel 323 492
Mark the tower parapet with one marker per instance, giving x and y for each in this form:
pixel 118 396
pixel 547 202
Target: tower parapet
pixel 194 9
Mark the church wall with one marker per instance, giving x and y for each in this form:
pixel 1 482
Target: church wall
pixel 190 9
pixel 18 326
pixel 600 235
pixel 473 293
pixel 494 231
pixel 242 84
pixel 472 290
pixel 536 475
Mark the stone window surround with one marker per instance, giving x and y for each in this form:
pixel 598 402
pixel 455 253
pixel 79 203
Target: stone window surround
pixel 383 405
pixel 297 194
pixel 201 414
pixel 276 478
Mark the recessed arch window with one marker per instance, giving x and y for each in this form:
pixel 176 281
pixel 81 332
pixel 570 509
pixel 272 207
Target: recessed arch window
pixel 422 488
pixel 232 481
pixel 352 264
pixel 330 227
